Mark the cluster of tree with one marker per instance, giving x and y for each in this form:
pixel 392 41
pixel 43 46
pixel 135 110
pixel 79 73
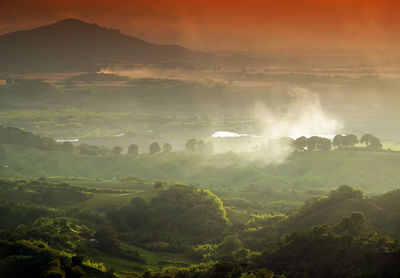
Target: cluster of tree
pixel 14 214
pixel 183 211
pixel 345 141
pixel 349 141
pixel 155 148
pixel 193 145
pixel 324 251
pixel 371 142
pixel 17 136
pixel 338 195
pixel 35 258
pixel 180 217
pixel 42 191
pixel 313 143
pixel 316 143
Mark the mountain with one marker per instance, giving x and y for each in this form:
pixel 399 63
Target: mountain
pixel 72 44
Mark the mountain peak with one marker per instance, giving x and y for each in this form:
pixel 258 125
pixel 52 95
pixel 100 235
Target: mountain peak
pixel 77 43
pixel 70 21
pixel 76 24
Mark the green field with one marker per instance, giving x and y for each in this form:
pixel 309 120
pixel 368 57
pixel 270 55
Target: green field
pixel 374 172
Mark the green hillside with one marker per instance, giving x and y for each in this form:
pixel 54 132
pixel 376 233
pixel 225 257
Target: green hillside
pixel 374 172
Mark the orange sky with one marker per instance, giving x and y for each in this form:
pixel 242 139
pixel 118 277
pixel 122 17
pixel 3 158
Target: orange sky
pixel 223 24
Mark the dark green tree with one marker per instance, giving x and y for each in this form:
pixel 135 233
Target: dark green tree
pixel 167 147
pixel 366 139
pixel 372 143
pixel 338 141
pixel 191 145
pixel 107 239
pixel 325 144
pixel 349 141
pixel 201 146
pixel 375 144
pixel 301 144
pixel 154 148
pixel 133 150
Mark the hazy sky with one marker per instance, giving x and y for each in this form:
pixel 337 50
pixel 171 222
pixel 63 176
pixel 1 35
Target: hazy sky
pixel 223 24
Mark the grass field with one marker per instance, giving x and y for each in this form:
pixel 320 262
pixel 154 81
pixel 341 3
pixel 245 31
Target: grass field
pixel 374 172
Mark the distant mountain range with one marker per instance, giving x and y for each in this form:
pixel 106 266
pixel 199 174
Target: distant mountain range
pixel 72 44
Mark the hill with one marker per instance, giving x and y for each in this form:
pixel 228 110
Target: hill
pixel 72 44
pixel 308 173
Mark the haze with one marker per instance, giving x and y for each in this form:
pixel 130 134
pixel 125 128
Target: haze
pixel 257 25
pixel 200 139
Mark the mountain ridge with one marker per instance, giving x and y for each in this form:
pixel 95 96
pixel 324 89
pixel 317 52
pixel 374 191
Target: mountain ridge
pixel 73 44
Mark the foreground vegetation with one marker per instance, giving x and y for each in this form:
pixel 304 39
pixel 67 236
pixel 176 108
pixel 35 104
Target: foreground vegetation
pixel 65 230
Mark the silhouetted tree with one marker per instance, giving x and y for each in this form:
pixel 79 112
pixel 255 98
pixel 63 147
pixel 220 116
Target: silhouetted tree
pixel 107 239
pixel 201 146
pixel 349 141
pixel 313 143
pixel 167 147
pixel 366 139
pixel 338 141
pixel 301 143
pixel 191 145
pixel 325 144
pixel 133 150
pixel 375 144
pixel 154 148
pixel 371 142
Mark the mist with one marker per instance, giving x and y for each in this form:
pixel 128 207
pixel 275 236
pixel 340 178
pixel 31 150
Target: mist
pixel 275 153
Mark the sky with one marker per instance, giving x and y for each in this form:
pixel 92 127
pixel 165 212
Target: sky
pixel 238 25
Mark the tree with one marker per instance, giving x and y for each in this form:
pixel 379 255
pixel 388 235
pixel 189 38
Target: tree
pixel 133 150
pixel 349 141
pixel 300 143
pixel 107 239
pixel 371 142
pixel 167 147
pixel 325 144
pixel 190 211
pixel 313 143
pixel 366 139
pixel 67 147
pixel 154 148
pixel 117 150
pixel 375 144
pixel 338 141
pixel 345 192
pixel 191 145
pixel 201 146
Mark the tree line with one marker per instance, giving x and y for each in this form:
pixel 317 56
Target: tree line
pixel 343 142
pixel 17 136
